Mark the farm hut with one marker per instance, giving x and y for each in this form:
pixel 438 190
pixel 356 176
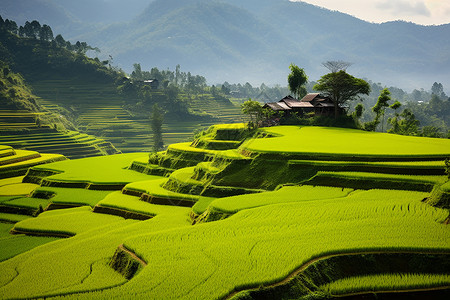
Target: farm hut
pixel 290 105
pixel 323 106
pixel 153 83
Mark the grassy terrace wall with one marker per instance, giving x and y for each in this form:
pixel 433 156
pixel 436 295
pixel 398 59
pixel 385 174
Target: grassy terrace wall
pixel 100 112
pixel 17 162
pixel 247 235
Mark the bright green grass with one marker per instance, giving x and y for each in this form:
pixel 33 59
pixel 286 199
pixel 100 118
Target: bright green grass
pixel 381 176
pixel 12 218
pixel 286 194
pixel 73 259
pixel 27 202
pixel 66 221
pixel 20 244
pixel 386 282
pixel 438 164
pixel 253 247
pixel 20 155
pixel 265 244
pixel 154 188
pixel 329 140
pixel 17 189
pixel 11 180
pixel 4 230
pixel 133 204
pixel 446 187
pixel 12 245
pixel 97 170
pixel 71 196
pixel 202 204
pixel 7 198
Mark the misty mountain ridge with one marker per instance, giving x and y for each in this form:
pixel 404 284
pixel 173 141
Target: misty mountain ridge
pixel 255 41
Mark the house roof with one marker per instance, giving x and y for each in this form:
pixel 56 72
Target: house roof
pixel 310 97
pixel 295 103
pixel 276 106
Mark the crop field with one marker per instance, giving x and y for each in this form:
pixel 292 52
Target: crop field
pixel 100 112
pixel 345 142
pixel 14 163
pixel 69 143
pixel 294 220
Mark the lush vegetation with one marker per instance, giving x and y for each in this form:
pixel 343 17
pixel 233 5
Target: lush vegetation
pixel 132 233
pixel 239 211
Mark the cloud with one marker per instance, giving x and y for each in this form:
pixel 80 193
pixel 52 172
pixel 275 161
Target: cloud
pixel 402 7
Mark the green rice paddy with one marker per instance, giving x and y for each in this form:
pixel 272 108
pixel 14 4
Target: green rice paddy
pixel 342 141
pixel 294 205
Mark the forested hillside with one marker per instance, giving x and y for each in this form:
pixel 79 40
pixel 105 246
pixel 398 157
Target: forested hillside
pixel 99 98
pixel 252 41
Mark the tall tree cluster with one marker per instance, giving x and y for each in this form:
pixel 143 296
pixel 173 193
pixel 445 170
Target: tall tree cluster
pixel 34 30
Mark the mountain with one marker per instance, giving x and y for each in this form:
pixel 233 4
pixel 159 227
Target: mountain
pixel 255 41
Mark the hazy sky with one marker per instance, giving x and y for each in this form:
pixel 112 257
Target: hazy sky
pixel 426 12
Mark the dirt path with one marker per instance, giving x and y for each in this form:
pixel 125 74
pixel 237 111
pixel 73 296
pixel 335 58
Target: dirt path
pixel 309 263
pixel 133 255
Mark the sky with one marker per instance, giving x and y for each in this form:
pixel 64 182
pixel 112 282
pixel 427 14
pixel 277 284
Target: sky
pixel 425 12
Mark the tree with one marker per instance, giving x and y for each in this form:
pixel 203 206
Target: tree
pixel 335 66
pixel 380 106
pixel 404 124
pixel 157 119
pixel 359 109
pixel 396 105
pixel 45 33
pixel 297 80
pixel 438 90
pixel 341 87
pixel 60 42
pixel 253 109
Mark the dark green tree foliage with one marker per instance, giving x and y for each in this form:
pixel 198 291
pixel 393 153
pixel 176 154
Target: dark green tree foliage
pixel 438 90
pixel 447 167
pixel 359 109
pixel 157 119
pixel 254 110
pixel 341 87
pixel 396 105
pixel 379 110
pixel 404 123
pixel 296 81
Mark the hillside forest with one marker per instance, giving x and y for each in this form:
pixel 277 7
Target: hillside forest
pixel 158 183
pixel 32 52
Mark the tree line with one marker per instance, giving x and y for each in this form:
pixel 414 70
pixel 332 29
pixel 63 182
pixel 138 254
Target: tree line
pixel 34 30
pixel 385 115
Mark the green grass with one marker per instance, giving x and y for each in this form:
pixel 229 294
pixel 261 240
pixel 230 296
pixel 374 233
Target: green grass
pixel 133 204
pixel 365 180
pixel 73 259
pixel 264 238
pixel 16 189
pixel 33 205
pixel 342 141
pixel 70 196
pixel 255 247
pixel 154 188
pixel 66 222
pixel 12 218
pixel 108 170
pixel 286 194
pixel 387 282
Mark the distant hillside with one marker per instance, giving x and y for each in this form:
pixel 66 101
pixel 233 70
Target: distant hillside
pixel 239 41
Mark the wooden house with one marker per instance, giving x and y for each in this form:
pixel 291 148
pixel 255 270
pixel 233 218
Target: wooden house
pixel 323 106
pixel 290 105
pixel 311 103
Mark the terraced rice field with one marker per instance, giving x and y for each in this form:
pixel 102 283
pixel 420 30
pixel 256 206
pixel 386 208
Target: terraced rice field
pixel 281 235
pixel 100 112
